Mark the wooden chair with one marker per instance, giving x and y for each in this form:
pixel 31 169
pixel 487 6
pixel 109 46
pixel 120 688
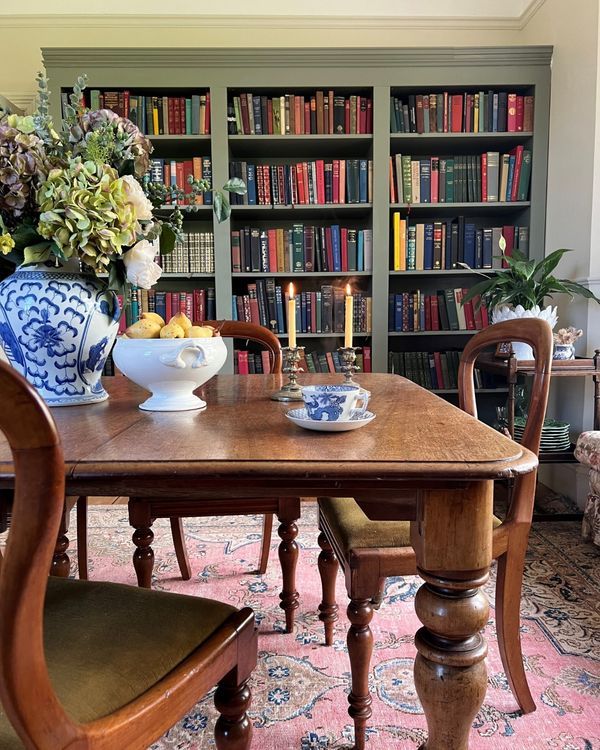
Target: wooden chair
pixel 99 665
pixel 228 329
pixel 372 550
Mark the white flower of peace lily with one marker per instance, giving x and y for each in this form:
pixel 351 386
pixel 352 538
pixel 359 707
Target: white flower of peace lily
pixel 137 198
pixel 139 262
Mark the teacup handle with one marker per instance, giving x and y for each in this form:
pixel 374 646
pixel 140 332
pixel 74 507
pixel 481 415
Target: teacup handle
pixel 174 359
pixel 363 396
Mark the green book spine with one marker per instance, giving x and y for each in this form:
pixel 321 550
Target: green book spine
pixel 449 180
pixel 525 177
pixel 298 251
pixel 94 99
pixel 188 116
pixel 406 179
pixel 445 374
pixel 451 308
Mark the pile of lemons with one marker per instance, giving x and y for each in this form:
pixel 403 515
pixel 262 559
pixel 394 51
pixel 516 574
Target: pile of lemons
pixel 152 326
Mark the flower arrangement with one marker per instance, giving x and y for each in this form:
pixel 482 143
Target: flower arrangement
pixel 82 192
pixel 567 336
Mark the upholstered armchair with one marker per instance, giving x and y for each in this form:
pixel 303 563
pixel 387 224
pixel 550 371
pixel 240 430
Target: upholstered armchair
pixel 587 452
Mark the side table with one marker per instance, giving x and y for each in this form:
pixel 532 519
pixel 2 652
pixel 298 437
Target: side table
pixel 510 368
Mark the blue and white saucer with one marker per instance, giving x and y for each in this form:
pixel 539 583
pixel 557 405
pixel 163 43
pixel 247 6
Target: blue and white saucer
pixel 357 419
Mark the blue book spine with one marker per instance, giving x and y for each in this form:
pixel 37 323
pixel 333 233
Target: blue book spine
pixel 279 309
pixel 495 113
pixel 298 315
pixel 425 180
pixel 337 251
pixel 478 248
pixel 303 325
pixel 487 248
pixel 469 250
pixel 161 304
pixel 398 313
pixel 362 181
pixel 448 248
pixel 251 184
pixel 234 312
pixel 511 176
pixel 391 312
pixel 428 252
pixel 360 251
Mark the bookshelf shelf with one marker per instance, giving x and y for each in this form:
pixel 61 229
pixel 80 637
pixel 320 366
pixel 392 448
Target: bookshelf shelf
pixel 323 335
pixel 300 274
pixel 431 333
pixel 377 74
pixel 188 211
pixel 448 272
pixel 477 390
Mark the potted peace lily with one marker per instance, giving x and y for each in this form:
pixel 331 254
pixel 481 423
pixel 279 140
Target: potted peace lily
pixel 521 290
pixel 78 217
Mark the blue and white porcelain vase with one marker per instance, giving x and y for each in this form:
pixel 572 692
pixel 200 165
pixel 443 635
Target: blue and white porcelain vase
pixel 57 327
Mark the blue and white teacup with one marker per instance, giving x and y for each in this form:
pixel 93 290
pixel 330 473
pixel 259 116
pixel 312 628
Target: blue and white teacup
pixel 334 403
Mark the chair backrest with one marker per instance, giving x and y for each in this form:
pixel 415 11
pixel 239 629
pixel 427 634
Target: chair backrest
pixel 533 331
pixel 38 502
pixel 237 329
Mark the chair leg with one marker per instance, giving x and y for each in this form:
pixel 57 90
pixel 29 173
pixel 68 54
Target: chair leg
pixel 233 730
pixel 180 548
pixel 378 598
pixel 82 549
pixel 328 568
pixel 360 650
pixel 508 620
pixel 266 543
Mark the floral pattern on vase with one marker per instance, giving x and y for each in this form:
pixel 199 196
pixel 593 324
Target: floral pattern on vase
pixel 57 328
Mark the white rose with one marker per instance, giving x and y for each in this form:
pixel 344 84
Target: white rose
pixel 142 271
pixel 137 198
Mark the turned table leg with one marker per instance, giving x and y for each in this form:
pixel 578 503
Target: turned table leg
pixel 143 536
pixel 288 514
pixel 452 538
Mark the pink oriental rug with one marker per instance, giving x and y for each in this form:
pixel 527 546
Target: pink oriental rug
pixel 300 687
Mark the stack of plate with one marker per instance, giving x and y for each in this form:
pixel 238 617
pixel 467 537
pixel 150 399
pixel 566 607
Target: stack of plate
pixel 555 434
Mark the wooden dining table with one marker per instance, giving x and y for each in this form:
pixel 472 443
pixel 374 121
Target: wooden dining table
pixel 243 446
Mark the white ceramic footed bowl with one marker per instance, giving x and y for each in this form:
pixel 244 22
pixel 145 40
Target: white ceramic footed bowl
pixel 171 369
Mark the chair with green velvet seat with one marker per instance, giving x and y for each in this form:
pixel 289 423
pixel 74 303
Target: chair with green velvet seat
pixel 99 665
pixel 371 537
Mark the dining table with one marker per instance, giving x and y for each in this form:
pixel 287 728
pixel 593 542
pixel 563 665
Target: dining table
pixel 242 445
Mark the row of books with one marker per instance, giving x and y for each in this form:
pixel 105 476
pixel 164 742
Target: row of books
pixel 176 172
pixel 157 115
pixel 296 114
pixel 301 248
pixel 441 311
pixel 434 370
pixel 194 254
pixel 250 363
pixel 489 178
pixel 468 112
pixel 320 311
pixel 198 305
pixel 309 182
pixel 445 244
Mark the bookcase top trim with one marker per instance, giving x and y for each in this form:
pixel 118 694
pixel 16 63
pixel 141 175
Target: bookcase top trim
pixel 392 57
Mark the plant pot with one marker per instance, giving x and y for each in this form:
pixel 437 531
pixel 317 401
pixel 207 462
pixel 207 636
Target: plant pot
pixel 563 351
pixel 504 312
pixel 57 327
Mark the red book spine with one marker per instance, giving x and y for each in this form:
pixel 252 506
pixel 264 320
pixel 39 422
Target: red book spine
pixel 123 318
pixel 511 117
pixel 344 248
pixel 363 116
pixel 347 115
pixel 320 182
pixel 272 242
pixel 307 117
pixel 367 359
pixel 484 177
pixel 254 313
pixel 435 178
pixel 168 305
pixel 438 370
pixel 435 313
pixel 245 116
pixel 171 114
pixel 468 112
pixel 457 113
pixel 508 232
pixel 428 312
pixel 126 104
pixel 294 184
pixel 243 362
pixel 514 190
pixel 297 115
pixel 207 114
pixel 306 182
pixel 335 178
pixel 520 113
pixel 281 183
pixel 300 179
pixel 419 113
pixel 202 305
pixel 189 305
pixel 188 171
pixel 179 178
pixel 267 184
pixel 269 122
pixel 477 312
pixel 469 315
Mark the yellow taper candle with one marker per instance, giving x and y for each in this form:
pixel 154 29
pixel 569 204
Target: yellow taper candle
pixel 349 310
pixel 291 317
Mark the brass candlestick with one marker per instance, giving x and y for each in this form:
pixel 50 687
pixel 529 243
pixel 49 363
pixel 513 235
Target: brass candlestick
pixel 291 391
pixel 348 363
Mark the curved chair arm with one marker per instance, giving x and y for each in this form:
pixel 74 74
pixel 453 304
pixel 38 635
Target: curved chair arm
pixel 239 329
pixel 533 331
pixel 37 509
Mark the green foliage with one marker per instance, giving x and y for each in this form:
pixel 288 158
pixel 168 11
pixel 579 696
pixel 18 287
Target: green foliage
pixel 525 282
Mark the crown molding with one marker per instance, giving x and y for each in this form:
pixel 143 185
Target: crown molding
pixel 22 99
pixel 301 57
pixel 200 21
